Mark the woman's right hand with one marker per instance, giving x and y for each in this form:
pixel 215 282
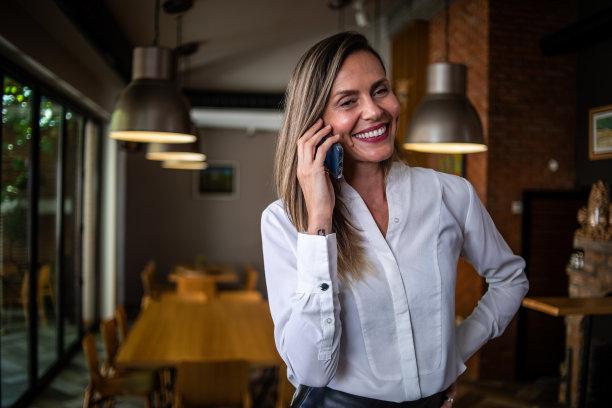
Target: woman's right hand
pixel 313 178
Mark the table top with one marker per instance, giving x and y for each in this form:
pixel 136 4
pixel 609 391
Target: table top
pixel 170 331
pixel 562 306
pixel 219 272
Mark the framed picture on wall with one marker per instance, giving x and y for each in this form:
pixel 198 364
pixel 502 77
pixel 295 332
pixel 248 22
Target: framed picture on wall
pixel 600 133
pixel 217 181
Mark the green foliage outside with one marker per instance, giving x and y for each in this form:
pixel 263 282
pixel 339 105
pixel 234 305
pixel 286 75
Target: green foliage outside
pixel 17 116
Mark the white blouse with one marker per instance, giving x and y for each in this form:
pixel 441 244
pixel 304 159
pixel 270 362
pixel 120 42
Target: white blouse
pixel 391 335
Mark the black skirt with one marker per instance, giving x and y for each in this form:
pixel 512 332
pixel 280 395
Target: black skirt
pixel 311 397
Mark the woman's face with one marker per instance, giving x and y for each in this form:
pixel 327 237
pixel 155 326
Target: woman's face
pixel 363 109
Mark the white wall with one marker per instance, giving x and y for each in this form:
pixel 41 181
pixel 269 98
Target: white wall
pixel 165 222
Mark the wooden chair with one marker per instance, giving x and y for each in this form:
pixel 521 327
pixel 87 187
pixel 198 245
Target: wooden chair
pixel 110 338
pixel 103 389
pixel 240 296
pixel 251 277
pixel 122 321
pixel 44 289
pixel 284 390
pixel 221 383
pixel 151 290
pixel 188 286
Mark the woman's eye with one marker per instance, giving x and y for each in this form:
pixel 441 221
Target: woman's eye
pixel 346 102
pixel 381 91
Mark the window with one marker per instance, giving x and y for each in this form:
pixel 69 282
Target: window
pixel 49 167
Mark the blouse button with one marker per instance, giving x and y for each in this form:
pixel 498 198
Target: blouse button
pixel 324 286
pixel 329 320
pixel 396 220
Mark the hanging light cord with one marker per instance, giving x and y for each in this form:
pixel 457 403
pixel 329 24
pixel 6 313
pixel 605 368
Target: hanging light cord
pixel 156 26
pixel 376 16
pixel 179 29
pixel 446 29
pixel 179 33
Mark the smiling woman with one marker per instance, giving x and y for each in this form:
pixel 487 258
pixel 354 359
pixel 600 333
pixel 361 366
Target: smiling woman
pixel 371 259
pixel 363 110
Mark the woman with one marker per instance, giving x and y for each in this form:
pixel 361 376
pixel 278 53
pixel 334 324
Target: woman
pixel 361 271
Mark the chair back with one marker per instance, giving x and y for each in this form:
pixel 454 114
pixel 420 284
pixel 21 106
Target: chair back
pixel 122 322
pixel 187 285
pixel 147 277
pixel 110 337
pixel 45 286
pixel 91 355
pixel 213 383
pixel 251 276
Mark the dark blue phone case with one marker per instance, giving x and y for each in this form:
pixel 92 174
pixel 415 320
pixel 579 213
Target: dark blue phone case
pixel 334 159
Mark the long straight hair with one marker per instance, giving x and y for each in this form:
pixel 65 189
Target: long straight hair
pixel 306 97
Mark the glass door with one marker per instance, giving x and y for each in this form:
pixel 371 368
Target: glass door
pixel 48 266
pixel 49 231
pixel 17 114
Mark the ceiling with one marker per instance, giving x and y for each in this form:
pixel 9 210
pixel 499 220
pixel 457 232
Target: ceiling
pixel 242 45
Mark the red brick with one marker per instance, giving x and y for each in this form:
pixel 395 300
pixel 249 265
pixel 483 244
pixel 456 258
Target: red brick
pixel 595 258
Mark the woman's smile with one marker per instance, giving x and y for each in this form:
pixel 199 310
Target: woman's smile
pixel 373 134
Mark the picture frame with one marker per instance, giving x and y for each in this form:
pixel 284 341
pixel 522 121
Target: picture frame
pixel 219 180
pixel 600 133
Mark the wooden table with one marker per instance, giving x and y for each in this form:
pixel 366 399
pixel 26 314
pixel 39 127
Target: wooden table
pixel 170 331
pixel 219 272
pixel 563 306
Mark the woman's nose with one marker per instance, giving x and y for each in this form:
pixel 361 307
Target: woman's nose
pixel 371 110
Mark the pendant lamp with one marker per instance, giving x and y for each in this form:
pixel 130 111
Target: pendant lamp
pixel 184 165
pixel 174 151
pixel 445 121
pixel 151 108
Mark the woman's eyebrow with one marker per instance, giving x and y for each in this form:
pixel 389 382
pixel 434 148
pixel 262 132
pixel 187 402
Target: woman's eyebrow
pixel 344 92
pixel 378 83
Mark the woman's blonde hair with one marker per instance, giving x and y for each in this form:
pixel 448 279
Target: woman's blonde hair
pixel 305 100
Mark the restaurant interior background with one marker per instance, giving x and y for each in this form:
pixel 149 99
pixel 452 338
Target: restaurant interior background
pixel 535 69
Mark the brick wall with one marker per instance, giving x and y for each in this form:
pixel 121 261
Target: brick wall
pixel 527 105
pixel 532 107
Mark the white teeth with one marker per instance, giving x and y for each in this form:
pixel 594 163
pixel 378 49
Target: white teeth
pixel 373 133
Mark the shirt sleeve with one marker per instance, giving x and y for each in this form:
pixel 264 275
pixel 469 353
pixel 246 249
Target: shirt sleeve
pixel 301 277
pixel 503 271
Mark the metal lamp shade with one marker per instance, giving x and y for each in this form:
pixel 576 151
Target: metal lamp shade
pixel 174 151
pixel 184 165
pixel 445 121
pixel 151 108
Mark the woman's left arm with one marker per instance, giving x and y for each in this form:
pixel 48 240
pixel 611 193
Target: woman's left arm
pixel 503 271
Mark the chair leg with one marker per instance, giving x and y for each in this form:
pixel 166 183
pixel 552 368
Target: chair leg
pixel 246 401
pixel 88 397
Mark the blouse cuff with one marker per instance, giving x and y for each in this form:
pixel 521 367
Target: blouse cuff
pixel 316 262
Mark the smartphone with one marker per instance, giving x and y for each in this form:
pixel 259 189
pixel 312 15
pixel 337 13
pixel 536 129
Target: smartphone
pixel 334 159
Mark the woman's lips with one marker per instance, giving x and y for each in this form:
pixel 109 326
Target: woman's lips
pixel 373 135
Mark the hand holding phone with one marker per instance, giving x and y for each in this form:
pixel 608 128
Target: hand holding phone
pixel 333 159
